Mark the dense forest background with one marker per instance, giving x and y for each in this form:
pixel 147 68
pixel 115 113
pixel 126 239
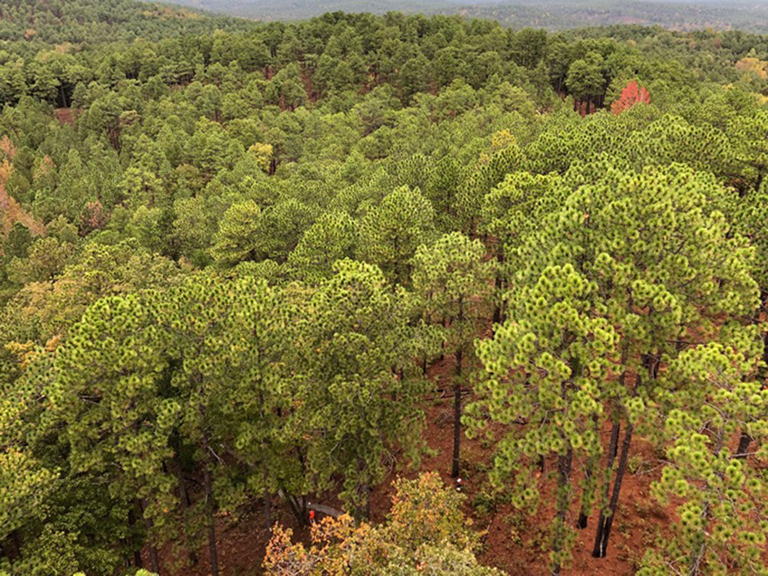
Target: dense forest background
pixel 268 290
pixel 748 15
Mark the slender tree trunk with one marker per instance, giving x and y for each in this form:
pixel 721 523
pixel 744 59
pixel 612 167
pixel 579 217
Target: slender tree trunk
pixel 583 520
pixel 587 494
pixel 497 307
pixel 298 506
pixel 267 501
pixel 613 446
pixel 137 561
pixel 612 450
pixel 601 544
pixel 363 507
pixel 185 503
pixel 457 399
pixel 442 346
pixel 601 541
pixel 212 551
pixel 697 553
pixel 456 428
pixel 63 95
pixel 154 557
pixel 700 540
pixel 564 467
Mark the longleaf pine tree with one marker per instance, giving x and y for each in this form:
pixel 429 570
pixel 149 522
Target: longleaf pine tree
pixel 452 282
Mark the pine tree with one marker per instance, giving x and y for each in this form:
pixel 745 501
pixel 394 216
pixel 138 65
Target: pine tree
pixel 391 232
pixel 545 368
pixel 106 392
pixel 718 493
pixel 334 236
pixel 452 281
pixel 357 399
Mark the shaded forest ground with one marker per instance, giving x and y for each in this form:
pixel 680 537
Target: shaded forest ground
pixel 514 541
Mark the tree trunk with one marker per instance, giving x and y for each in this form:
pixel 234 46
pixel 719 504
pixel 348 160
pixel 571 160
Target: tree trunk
pixel 564 466
pixel 697 554
pixel 612 450
pixel 497 307
pixel 154 557
pixel 442 345
pixel 185 503
pixel 457 415
pixel 63 95
pixel 456 428
pixel 588 492
pixel 298 506
pixel 267 501
pixel 137 561
pixel 601 543
pixel 212 551
pixel 583 520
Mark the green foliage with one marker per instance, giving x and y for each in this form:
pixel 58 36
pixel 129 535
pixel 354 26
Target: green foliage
pixel 452 281
pixel 333 237
pixel 391 232
pixel 237 238
pixel 357 401
pixel 718 495
pixel 546 367
pixel 228 248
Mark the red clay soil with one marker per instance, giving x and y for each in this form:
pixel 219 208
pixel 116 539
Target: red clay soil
pixel 66 115
pixel 513 541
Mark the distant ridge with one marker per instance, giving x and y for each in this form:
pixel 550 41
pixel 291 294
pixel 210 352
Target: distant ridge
pixel 745 15
pixel 92 21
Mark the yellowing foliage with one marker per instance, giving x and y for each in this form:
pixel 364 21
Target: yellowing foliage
pixel 755 66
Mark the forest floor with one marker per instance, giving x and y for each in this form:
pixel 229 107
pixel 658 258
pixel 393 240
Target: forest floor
pixel 513 541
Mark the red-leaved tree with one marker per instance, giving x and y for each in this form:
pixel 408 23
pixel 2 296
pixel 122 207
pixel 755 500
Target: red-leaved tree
pixel 632 94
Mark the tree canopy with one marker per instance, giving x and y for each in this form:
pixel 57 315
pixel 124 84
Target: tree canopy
pixel 253 272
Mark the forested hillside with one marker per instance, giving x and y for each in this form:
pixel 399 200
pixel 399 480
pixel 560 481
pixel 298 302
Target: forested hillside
pixel 748 15
pixel 88 21
pixel 380 295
